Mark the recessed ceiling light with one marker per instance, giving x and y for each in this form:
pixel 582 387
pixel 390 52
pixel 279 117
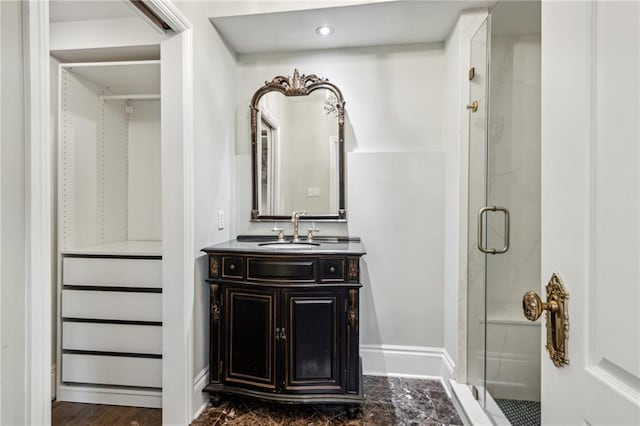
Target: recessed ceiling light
pixel 324 30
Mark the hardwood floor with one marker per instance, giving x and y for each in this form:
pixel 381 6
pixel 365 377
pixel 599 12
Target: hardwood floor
pixel 70 413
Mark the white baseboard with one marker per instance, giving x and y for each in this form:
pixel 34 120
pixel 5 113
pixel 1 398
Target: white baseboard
pixel 377 360
pixel 408 361
pixel 110 396
pixel 200 399
pixel 53 382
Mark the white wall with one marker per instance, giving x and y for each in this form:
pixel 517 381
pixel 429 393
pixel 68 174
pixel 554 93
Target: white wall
pixel 12 217
pixel 214 134
pixel 395 177
pixel 144 215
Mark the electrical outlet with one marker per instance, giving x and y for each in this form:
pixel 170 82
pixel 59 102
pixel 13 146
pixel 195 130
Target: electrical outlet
pixel 220 219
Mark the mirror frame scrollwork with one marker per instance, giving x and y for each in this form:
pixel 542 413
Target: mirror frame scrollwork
pixel 298 85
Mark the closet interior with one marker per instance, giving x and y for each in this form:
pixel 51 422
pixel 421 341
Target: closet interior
pixel 109 233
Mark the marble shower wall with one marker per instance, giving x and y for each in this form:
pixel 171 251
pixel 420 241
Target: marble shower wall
pixel 513 344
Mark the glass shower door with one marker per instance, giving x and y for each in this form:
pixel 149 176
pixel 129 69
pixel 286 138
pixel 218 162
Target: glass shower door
pixel 503 362
pixel 476 264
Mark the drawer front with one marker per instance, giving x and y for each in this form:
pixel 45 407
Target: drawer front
pixel 232 267
pixel 285 270
pixel 138 339
pixel 82 271
pixel 112 305
pixel 332 270
pixel 112 370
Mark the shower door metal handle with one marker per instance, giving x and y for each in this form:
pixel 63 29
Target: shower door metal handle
pixel 507 229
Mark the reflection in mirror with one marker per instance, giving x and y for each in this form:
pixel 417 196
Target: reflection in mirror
pixel 297 127
pixel 298 161
pixel 268 181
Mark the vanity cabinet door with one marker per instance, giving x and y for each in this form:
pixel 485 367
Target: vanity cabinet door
pixel 250 335
pixel 315 333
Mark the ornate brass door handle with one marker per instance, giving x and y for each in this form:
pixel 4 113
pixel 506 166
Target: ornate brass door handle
pixel 532 305
pixel 557 317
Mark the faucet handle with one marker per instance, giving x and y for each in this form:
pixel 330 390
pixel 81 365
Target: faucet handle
pixel 280 232
pixel 311 231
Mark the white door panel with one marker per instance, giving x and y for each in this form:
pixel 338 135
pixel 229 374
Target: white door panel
pixel 591 206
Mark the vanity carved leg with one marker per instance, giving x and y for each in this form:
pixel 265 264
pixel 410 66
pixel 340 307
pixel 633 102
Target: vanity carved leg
pixel 353 411
pixel 215 399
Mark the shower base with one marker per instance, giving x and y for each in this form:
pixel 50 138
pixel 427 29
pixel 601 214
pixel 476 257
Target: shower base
pixel 520 413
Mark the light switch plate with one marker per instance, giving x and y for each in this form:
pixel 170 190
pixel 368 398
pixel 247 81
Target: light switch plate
pixel 220 219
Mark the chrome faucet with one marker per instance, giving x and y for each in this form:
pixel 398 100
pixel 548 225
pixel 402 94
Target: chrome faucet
pixel 295 217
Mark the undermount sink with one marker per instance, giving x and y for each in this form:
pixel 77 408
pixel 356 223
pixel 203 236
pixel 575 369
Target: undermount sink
pixel 284 245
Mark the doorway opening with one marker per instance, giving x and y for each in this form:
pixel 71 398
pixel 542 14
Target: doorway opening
pixel 503 361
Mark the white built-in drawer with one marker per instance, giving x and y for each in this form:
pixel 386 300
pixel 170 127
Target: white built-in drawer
pixel 112 272
pixel 112 370
pixel 112 305
pixel 140 339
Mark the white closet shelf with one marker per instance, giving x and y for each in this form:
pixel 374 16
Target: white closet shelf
pixel 142 97
pixel 121 248
pixel 120 77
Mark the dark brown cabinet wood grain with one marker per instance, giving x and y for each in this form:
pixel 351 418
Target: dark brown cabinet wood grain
pixel 250 318
pixel 284 326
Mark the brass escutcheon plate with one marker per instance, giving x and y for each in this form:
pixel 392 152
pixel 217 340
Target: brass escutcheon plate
pixel 557 317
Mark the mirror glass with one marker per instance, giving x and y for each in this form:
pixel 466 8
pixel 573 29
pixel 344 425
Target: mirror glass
pixel 298 159
pixel 297 128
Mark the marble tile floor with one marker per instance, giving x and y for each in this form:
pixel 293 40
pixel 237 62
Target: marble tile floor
pixel 388 401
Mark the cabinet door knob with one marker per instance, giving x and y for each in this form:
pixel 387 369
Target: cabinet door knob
pixel 281 334
pixel 232 267
pixel 332 269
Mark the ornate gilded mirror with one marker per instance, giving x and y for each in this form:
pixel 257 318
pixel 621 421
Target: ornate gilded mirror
pixel 297 149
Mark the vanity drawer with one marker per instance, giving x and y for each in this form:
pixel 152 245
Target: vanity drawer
pixel 232 267
pixel 278 269
pixel 332 269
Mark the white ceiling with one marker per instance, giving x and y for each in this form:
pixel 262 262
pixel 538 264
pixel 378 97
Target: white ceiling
pixel 74 10
pixel 393 22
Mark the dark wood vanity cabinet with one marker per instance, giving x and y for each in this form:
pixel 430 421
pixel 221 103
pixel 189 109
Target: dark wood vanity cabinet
pixel 284 326
pixel 250 337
